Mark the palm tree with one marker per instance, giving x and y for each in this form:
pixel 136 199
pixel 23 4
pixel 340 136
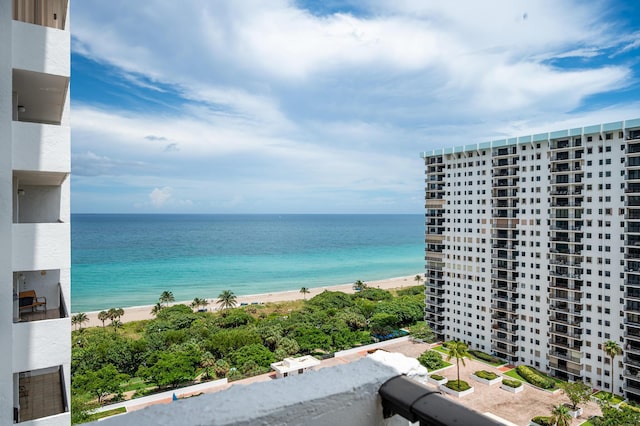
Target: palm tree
pixel 103 316
pixel 227 299
pixel 458 350
pixel 304 291
pixel 418 279
pixel 167 297
pixel 611 348
pixel 359 285
pixel 79 319
pixel 156 309
pixel 560 415
pixel 208 361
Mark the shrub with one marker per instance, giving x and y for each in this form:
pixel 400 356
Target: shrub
pixel 534 377
pixel 432 360
pixel 542 420
pixel 512 383
pixel 487 375
pixel 485 357
pixel 458 386
pixel 437 377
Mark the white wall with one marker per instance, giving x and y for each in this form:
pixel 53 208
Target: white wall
pixel 41 49
pixel 40 246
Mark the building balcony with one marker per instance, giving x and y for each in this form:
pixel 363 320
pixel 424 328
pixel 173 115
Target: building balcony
pixel 631 361
pixel 41 397
pixel 565 345
pixel 632 389
pixel 570 332
pixel 41 246
pixel 496 337
pixel 504 318
pixel 505 276
pixel 505 152
pixel 573 357
pixel 565 319
pixel 41 49
pixel 507 350
pixel 504 287
pixel 41 147
pixel 39 344
pixel 565 144
pixel 565 368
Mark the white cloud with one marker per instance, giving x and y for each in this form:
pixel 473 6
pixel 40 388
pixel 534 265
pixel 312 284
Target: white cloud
pixel 281 105
pixel 159 196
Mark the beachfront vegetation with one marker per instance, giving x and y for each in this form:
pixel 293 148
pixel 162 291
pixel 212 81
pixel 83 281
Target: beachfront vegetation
pixel 227 299
pixel 180 346
pixel 79 319
pixel 167 297
pixel 304 291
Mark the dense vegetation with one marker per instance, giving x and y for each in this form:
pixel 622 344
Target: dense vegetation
pixel 534 377
pixel 512 383
pixel 432 360
pixel 180 346
pixel 487 375
pixel 486 357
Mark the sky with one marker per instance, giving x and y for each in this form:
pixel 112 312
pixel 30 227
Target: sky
pixel 283 106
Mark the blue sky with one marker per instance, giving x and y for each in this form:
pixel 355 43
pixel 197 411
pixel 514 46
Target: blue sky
pixel 324 106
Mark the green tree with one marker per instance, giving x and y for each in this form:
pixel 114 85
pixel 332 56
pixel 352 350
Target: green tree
pixel 383 323
pixel 431 359
pixel 577 392
pixel 167 297
pixel 612 349
pixel 418 279
pixel 221 368
pixel 423 332
pixel 171 369
pixel 156 309
pixel 255 352
pixel 560 415
pixel 304 291
pixel 208 361
pixel 100 383
pixel 227 299
pixel 289 346
pixel 103 316
pixel 197 303
pixel 458 350
pixel 79 319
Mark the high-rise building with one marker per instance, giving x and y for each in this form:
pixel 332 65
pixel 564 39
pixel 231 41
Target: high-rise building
pixel 533 250
pixel 34 212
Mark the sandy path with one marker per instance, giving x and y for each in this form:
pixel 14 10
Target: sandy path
pixel 138 313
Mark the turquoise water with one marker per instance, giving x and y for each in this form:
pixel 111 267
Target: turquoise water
pixel 128 260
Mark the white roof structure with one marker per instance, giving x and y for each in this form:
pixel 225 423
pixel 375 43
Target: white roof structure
pixel 293 364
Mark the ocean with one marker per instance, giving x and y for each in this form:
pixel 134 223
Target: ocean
pixel 125 260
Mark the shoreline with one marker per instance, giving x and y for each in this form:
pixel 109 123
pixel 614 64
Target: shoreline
pixel 139 313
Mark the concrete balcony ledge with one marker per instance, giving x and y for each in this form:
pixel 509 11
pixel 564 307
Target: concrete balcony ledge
pixel 41 49
pixel 41 147
pixel 38 344
pixel 40 246
pixel 344 395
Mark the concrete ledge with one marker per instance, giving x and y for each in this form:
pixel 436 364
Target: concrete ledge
pixel 512 390
pixel 445 389
pixel 345 394
pixel 485 381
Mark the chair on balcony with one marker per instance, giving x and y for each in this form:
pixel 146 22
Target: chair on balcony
pixel 30 300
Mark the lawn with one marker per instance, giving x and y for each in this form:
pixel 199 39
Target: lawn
pixel 514 375
pixel 616 399
pixel 136 383
pixel 441 350
pixel 108 413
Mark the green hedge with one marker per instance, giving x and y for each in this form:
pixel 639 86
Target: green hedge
pixel 486 357
pixel 542 420
pixel 487 375
pixel 437 377
pixel 534 377
pixel 458 386
pixel 512 383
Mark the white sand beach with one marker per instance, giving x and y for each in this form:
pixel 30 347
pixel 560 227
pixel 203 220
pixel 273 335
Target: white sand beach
pixel 138 313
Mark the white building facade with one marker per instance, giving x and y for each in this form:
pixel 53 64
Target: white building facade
pixel 34 212
pixel 533 250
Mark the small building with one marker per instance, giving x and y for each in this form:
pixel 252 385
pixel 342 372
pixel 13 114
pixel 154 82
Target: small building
pixel 294 366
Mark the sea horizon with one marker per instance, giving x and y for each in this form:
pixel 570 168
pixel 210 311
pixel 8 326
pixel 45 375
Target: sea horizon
pixel 128 259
